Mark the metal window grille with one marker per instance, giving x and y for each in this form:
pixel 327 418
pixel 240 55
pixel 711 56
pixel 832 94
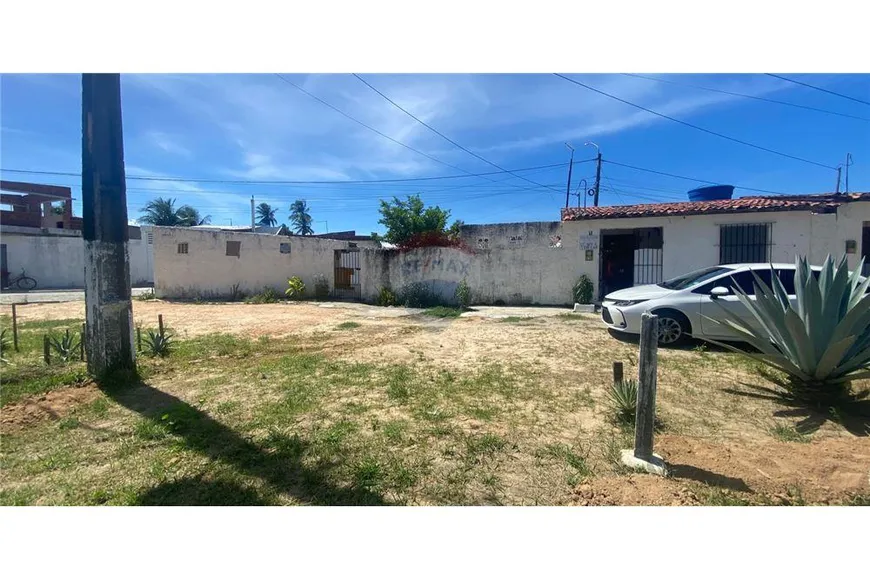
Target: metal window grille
pixel 234 249
pixel 285 248
pixel 744 243
pixel 150 237
pixel 648 256
pixel 182 248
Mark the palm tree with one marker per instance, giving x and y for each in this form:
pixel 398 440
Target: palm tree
pixel 162 212
pixel 266 215
pixel 300 218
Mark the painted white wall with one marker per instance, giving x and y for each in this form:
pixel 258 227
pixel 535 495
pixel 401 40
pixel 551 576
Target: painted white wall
pixel 206 271
pixel 514 270
pixel 58 260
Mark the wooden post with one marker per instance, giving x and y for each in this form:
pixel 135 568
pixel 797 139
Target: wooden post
pixel 646 387
pixel 46 349
pixel 138 339
pixel 160 322
pixel 617 372
pixel 82 341
pixel 14 328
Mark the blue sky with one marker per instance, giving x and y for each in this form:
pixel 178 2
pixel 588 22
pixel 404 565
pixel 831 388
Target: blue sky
pixel 259 128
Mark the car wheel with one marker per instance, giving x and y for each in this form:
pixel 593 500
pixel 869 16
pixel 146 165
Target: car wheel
pixel 674 328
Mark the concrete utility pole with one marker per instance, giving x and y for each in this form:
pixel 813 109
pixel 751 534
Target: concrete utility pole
pixel 108 308
pixel 848 163
pixel 597 172
pixel 839 169
pixel 252 213
pixel 570 167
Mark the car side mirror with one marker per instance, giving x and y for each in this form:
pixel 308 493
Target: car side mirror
pixel 719 291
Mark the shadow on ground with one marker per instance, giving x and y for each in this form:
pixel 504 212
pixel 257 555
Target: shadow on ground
pixel 854 416
pixel 281 468
pixel 707 477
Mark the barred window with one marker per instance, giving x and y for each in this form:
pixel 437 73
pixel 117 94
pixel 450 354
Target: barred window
pixel 182 248
pixel 744 243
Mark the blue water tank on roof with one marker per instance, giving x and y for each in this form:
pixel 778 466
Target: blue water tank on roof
pixel 711 193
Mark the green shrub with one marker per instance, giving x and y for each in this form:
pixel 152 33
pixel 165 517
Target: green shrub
pixel 235 293
pixel 821 344
pixel 463 294
pixel 583 290
pixel 386 297
pixel 321 287
pixel 623 400
pixel 149 295
pixel 158 343
pixel 418 295
pixel 65 347
pixel 295 288
pixel 267 296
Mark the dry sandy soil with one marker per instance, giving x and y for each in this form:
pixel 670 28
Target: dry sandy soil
pixel 713 436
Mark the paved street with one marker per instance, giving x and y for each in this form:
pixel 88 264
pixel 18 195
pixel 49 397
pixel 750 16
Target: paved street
pixel 51 296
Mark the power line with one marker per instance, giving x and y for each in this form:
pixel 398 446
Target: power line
pixel 370 128
pixel 818 89
pixel 753 97
pixel 289 182
pixel 689 178
pixel 708 131
pixel 439 133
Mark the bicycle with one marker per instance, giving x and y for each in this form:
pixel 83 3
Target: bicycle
pixel 22 281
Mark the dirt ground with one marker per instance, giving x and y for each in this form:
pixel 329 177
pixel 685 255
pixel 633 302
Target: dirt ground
pixel 714 437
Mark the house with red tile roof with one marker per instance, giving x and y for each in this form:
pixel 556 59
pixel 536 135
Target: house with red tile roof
pixel 627 245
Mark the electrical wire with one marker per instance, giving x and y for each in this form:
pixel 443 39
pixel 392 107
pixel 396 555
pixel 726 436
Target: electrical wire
pixel 688 178
pixel 753 97
pixel 288 182
pixel 708 131
pixel 818 89
pixel 440 134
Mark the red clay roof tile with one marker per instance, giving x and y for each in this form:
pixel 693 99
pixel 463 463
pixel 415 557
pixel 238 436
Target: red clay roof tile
pixel 816 203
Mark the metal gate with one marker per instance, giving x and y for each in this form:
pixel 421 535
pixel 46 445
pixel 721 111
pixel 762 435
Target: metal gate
pixel 648 256
pixel 347 275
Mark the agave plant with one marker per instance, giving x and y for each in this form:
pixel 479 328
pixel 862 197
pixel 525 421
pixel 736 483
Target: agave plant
pixel 822 343
pixel 158 342
pixel 5 343
pixel 623 399
pixel 65 346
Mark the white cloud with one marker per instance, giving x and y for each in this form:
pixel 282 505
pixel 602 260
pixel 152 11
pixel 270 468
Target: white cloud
pixel 167 143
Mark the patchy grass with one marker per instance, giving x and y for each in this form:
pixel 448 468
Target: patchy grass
pixel 349 325
pixel 788 433
pixel 443 312
pixel 517 319
pixel 433 414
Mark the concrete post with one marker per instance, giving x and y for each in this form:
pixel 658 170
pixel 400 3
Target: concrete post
pixel 108 305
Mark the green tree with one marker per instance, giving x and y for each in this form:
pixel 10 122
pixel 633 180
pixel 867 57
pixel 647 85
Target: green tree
pixel 162 212
pixel 266 215
pixel 301 218
pixel 409 218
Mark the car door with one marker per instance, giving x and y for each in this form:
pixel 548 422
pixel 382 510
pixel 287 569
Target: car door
pixel 712 318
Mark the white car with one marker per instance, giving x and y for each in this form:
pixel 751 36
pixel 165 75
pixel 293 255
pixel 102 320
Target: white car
pixel 684 303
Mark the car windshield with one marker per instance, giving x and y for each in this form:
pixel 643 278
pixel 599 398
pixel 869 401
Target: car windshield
pixel 693 278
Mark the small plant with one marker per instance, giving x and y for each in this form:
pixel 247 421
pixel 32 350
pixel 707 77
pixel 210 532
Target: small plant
pixel 463 295
pixel 623 399
pixel 158 343
pixel 295 288
pixel 788 434
pixel 267 296
pixel 418 295
pixel 150 295
pixel 321 287
pixel 65 346
pixel 350 324
pixel 387 297
pixel 236 293
pixel 583 290
pixel 5 343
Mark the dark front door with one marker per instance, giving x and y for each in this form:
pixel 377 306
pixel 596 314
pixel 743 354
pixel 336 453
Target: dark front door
pixel 865 248
pixel 617 262
pixel 4 269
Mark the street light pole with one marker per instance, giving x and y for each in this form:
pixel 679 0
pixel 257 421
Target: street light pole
pixel 570 168
pixel 597 172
